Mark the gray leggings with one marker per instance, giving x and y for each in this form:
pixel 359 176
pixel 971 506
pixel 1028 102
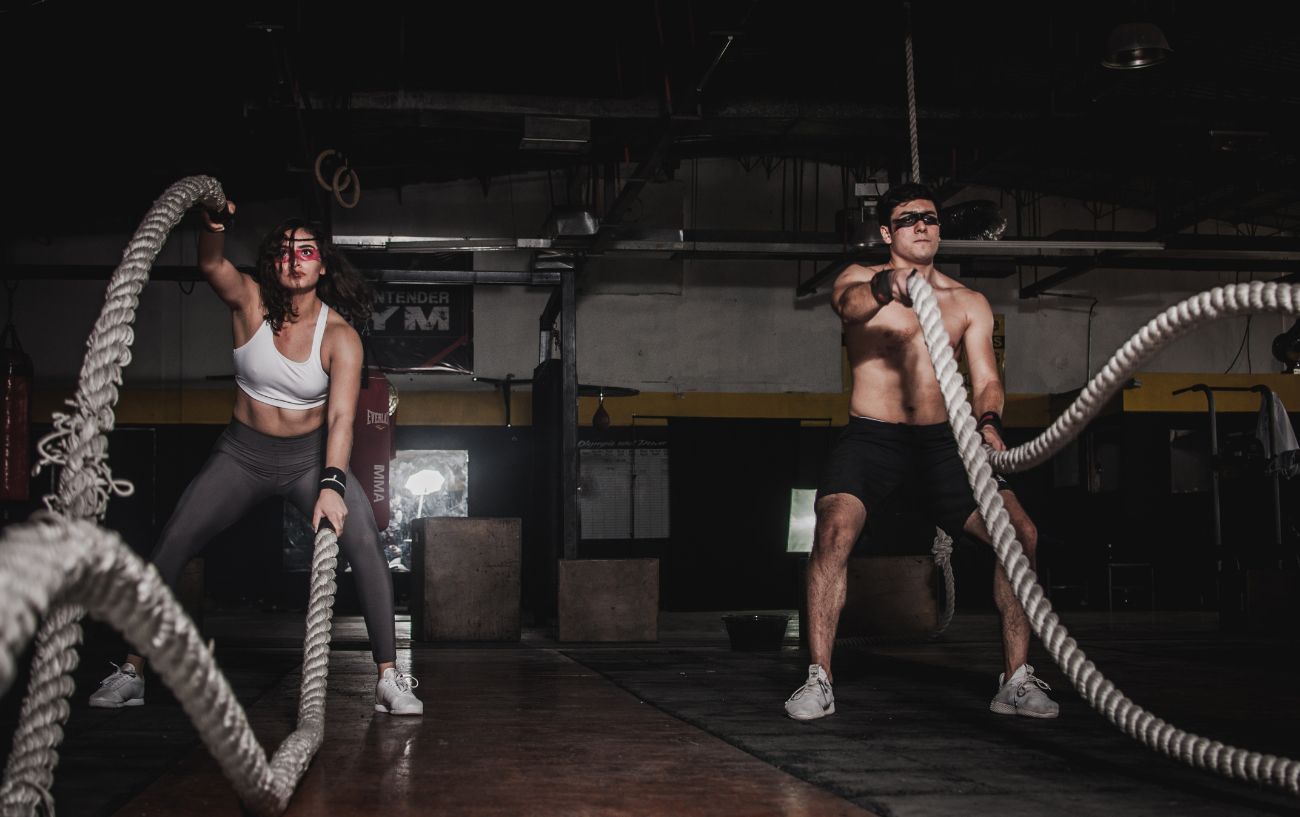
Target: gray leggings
pixel 248 466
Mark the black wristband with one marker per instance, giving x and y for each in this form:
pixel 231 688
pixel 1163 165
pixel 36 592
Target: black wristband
pixel 334 479
pixel 881 287
pixel 990 418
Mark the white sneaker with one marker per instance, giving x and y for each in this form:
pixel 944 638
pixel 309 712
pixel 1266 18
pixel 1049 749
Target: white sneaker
pixel 393 694
pixel 814 699
pixel 1024 695
pixel 123 688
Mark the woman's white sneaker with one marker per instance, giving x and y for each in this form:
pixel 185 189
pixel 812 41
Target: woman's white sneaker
pixel 123 688
pixel 393 694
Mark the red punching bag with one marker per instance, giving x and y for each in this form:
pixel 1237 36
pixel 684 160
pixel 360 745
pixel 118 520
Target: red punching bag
pixel 15 416
pixel 372 442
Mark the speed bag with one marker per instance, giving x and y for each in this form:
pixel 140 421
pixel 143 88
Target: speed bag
pixel 372 444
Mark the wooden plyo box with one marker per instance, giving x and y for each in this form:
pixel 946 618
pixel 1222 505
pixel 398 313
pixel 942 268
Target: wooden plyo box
pixel 465 579
pixel 890 597
pixel 609 600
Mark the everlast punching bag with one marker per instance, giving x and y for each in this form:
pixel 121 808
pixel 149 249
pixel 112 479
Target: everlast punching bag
pixel 15 417
pixel 372 442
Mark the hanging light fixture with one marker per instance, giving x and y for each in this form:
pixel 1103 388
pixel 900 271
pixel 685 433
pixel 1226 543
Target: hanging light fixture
pixel 1136 45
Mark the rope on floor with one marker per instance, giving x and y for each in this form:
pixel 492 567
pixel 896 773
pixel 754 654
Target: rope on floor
pixel 941 549
pixel 1100 693
pixel 58 566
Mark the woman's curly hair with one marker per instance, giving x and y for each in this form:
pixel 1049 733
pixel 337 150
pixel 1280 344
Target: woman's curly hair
pixel 342 288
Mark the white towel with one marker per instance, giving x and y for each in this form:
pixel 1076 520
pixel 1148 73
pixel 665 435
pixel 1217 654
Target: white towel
pixel 1274 427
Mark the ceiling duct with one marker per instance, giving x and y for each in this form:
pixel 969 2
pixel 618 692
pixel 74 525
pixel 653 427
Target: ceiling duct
pixel 571 221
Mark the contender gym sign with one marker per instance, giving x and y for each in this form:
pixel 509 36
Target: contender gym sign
pixel 415 327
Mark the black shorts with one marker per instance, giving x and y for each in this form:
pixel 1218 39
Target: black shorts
pixel 872 459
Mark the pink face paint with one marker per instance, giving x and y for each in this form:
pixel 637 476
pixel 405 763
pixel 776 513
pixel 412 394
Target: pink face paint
pixel 305 253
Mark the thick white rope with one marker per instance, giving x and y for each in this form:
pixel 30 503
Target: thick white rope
pixel 78 441
pixel 1101 694
pixel 79 444
pixel 1173 323
pixel 50 559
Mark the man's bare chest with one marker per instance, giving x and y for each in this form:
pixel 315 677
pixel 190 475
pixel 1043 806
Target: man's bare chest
pixel 899 334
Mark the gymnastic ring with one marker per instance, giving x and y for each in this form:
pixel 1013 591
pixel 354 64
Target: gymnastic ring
pixel 320 160
pixel 352 180
pixel 347 180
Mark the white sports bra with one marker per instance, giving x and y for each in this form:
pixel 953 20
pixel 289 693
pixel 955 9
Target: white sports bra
pixel 269 377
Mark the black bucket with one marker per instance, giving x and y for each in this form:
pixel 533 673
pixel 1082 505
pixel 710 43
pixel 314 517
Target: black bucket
pixel 754 632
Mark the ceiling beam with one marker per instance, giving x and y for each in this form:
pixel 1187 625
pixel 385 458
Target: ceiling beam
pixel 189 274
pixel 1172 225
pixel 632 188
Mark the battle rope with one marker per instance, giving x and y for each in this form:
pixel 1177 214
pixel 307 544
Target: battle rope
pixel 47 563
pixel 49 559
pixel 78 441
pixel 1101 694
pixel 1173 323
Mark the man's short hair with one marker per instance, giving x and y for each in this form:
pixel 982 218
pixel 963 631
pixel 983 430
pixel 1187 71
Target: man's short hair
pixel 895 196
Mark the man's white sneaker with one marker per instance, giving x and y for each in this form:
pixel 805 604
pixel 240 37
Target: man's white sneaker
pixel 1024 695
pixel 393 694
pixel 814 699
pixel 123 688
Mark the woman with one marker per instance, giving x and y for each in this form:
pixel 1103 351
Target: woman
pixel 298 370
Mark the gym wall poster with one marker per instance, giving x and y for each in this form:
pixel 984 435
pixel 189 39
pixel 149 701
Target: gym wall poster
pixel 422 328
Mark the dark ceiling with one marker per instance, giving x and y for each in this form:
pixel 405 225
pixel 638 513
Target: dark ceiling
pixel 110 102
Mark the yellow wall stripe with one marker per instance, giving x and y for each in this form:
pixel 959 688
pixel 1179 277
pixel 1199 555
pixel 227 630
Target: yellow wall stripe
pixel 485 408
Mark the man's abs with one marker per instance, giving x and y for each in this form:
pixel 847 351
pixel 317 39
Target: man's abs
pixel 893 378
pixel 891 396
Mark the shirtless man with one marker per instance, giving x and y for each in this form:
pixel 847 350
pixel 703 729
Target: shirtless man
pixel 898 432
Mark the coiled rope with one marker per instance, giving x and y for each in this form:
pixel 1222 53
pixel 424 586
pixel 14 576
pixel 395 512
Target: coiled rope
pixel 60 566
pixel 1100 693
pixel 941 549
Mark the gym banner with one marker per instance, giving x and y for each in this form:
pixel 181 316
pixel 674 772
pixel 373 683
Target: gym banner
pixel 422 328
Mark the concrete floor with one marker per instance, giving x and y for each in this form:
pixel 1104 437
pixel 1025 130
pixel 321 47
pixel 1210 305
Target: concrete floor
pixel 686 726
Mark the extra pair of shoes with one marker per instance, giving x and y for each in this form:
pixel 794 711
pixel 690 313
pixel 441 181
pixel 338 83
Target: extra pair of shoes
pixel 1024 694
pixel 125 687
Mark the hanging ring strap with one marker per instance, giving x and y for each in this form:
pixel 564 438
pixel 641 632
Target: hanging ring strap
pixel 911 101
